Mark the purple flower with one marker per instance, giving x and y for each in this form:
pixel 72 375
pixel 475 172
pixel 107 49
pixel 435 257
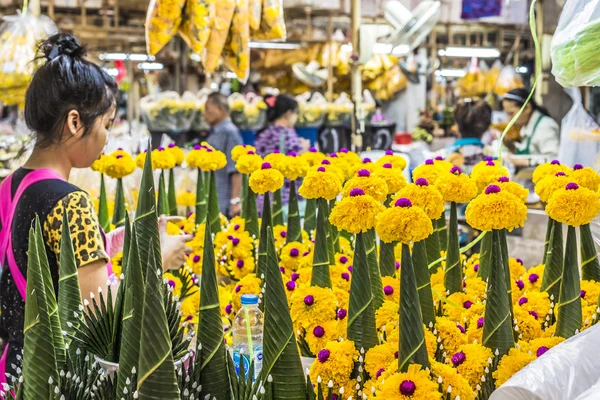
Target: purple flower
pixel 323 355
pixel 290 286
pixel 476 267
pixel 577 167
pixel 464 284
pixel 119 156
pixel 366 160
pixel 480 322
pixel 461 328
pixel 492 189
pixel 172 284
pixel 396 355
pixel 388 290
pixel 197 147
pixel 488 158
pixel 364 173
pixel 572 186
pixel 321 169
pixel 555 162
pixel 325 162
pixel 439 158
pixel 236 227
pixel 235 241
pixel 333 155
pixel 346 276
pixel 240 263
pixel 520 261
pixel 319 331
pixel 407 388
pixel 534 314
pixel 292 154
pixel 238 288
pixel 250 152
pixel 520 284
pixel 503 179
pixel 309 300
pixel 429 162
pixel 313 150
pixel 350 268
pixel 161 148
pixel 490 164
pixel 230 237
pixel 228 308
pixel 397 265
pixel 560 174
pixel 276 151
pixel 582 294
pixel 189 317
pixel 523 300
pixel 533 278
pixel 306 252
pixel 282 269
pixel 379 372
pixel 458 358
pixel 294 252
pixel 341 314
pixel 283 234
pixel 171 145
pixel 197 258
pixel 388 166
pixel 421 182
pixel 265 165
pixel 467 304
pixel 343 259
pixel 295 276
pixel 456 170
pixel 343 150
pixel 389 153
pixel 357 192
pixel 541 351
pixel 403 202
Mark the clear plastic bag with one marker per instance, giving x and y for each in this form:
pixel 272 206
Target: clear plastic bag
pixel 236 54
pixel 195 28
pixel 218 34
pixel 255 13
pixel 162 23
pixel 579 134
pixel 272 25
pixel 574 47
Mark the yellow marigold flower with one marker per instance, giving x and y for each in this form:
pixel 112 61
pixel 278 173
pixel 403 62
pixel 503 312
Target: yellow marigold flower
pixel 341 164
pixel 510 364
pixel 452 336
pixel 516 267
pixel 117 264
pixel 391 288
pixel 533 278
pixel 529 324
pixel 470 270
pixel 140 159
pixel 320 183
pixel 266 179
pixel 333 168
pixel 539 346
pixel 549 169
pixel 387 316
pixel 162 159
pixel 206 158
pixel 173 282
pixel 173 229
pixel 470 361
pixel 119 164
pixel 366 164
pixel 225 300
pixel 513 187
pixel 334 363
pixel 416 383
pixel 393 177
pixel 428 171
pixel 586 177
pixel 276 159
pixel 239 268
pixel 177 153
pixel 403 223
pixel 249 162
pixel 424 196
pixel 351 157
pixel 535 303
pixel 496 209
pixel 317 336
pixel 430 343
pixel 355 213
pixel 280 235
pixel 550 184
pixel 190 306
pixel 194 261
pixel 249 284
pixel 345 246
pixel 438 277
pixel 340 277
pixel 442 164
pixel 590 292
pixel 313 157
pixel 186 199
pixel 379 357
pixel 294 167
pixel 390 158
pixel 475 286
pixel 461 307
pixel 456 186
pixel 475 329
pixel 573 205
pixel 460 386
pixel 241 150
pixel 486 173
pixel 99 164
pixel 343 298
pixel 291 255
pixel 372 185
pixel 312 306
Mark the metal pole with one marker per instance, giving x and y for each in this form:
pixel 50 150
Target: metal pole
pixel 330 61
pixel 357 124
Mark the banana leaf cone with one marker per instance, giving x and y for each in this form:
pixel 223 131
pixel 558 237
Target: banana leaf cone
pixel 267 222
pixel 553 270
pixel 281 358
pixel 453 275
pixel 294 230
pixel 374 273
pixel 361 313
pixel 421 270
pixel 442 231
pixel 310 216
pixel 497 330
pixel 387 259
pixel 334 233
pixel 548 236
pixel 485 256
pixel 103 217
pixel 411 346
pixel 157 378
pixel 146 218
pixel 321 260
pixel 504 249
pixel 201 200
pixel 245 187
pixel 277 208
pixel 163 200
pixel 172 193
pixel 568 309
pixel 590 267
pixel 433 248
pixel 119 211
pixel 213 216
pixel 251 214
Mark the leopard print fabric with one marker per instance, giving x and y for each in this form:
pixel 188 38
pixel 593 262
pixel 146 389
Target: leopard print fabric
pixel 83 223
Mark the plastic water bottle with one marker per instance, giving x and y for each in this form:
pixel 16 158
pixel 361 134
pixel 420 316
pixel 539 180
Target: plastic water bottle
pixel 248 336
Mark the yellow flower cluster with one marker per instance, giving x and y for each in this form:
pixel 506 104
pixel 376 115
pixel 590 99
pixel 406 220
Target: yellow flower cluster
pixel 456 186
pixel 390 158
pixel 510 364
pixel 173 283
pixel 496 209
pixel 380 357
pixel 272 24
pixel 250 284
pixel 294 167
pixel 275 159
pixel 236 53
pixel 186 199
pixel 99 164
pixel 372 185
pixel 474 362
pixel 335 363
pixel 320 183
pixel 218 34
pixel 162 23
pixel 424 196
pixel 403 223
pixel 266 179
pixel 393 177
pixel 549 169
pixel 311 306
pixel 206 158
pixel 428 171
pixel 176 152
pixel 486 173
pixel 241 150
pixel 586 177
pixel 550 184
pixel 513 187
pixel 117 264
pixel 313 157
pixel 356 213
pixel 573 205
pixel 249 162
pixel 416 383
pixel 119 164
pixel 450 379
pixel 162 159
pixel 195 29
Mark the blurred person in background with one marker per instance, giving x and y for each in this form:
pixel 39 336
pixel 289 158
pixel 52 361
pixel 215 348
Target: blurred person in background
pixel 473 119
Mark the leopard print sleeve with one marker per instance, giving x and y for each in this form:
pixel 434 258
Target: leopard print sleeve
pixel 83 223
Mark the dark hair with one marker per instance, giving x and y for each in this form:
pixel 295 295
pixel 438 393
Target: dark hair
pixel 66 82
pixel 281 105
pixel 473 118
pixel 519 97
pixel 219 100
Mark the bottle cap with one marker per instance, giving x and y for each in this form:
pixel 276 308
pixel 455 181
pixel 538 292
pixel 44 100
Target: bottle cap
pixel 249 299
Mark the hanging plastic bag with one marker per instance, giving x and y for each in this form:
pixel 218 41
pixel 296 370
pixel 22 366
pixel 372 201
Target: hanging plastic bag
pixel 255 13
pixel 579 134
pixel 218 34
pixel 162 23
pixel 575 44
pixel 272 25
pixel 507 81
pixel 236 55
pixel 195 28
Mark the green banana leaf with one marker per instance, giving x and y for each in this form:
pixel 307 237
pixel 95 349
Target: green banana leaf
pixel 251 218
pixel 200 199
pixel 590 267
pixel 156 374
pixel 553 270
pixel 172 193
pixel 411 346
pixel 568 309
pixel 361 314
pixel 442 231
pixel 497 330
pixel 39 351
pixel 281 361
pixel 320 273
pixel 103 217
pixel 119 211
pixel 294 230
pixel 374 273
pixel 332 232
pixel 213 205
pixel 548 236
pixel 163 200
pixel 277 208
pixel 485 256
pixel 266 223
pixel 310 216
pixel 387 259
pixel 453 275
pixel 245 188
pixel 433 247
pixel 504 249
pixel 421 270
pixel 214 376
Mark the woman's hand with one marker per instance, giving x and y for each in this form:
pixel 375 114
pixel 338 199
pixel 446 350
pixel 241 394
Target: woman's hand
pixel 174 249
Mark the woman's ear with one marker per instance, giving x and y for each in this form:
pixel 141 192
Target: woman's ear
pixel 73 125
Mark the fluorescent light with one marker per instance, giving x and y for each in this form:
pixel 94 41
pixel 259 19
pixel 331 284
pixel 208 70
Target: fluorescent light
pixel 451 73
pixel 111 71
pixel 521 70
pixel 195 57
pixel 382 48
pixel 124 56
pixel 275 45
pixel 150 66
pixel 469 52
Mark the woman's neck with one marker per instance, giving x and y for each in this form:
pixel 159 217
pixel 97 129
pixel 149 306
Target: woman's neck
pixel 51 158
pixel 282 122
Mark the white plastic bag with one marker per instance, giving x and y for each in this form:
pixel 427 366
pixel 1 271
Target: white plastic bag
pixel 579 135
pixel 576 44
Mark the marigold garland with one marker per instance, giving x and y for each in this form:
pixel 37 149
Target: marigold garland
pixel 248 163
pixel 573 205
pixel 424 196
pixel 550 168
pixel 206 158
pixel 355 213
pixel 266 179
pixel 372 185
pixel 403 223
pixel 459 386
pixel 456 186
pixel 496 209
pixel 392 176
pixel 320 183
pixel 416 383
pixel 119 164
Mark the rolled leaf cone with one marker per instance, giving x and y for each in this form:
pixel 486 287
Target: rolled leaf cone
pixel 568 309
pixel 172 193
pixel 421 269
pixel 411 346
pixel 590 267
pixel 103 217
pixel 548 236
pixel 245 188
pixel 453 275
pixel 119 302
pixel 320 272
pixel 119 211
pixel 432 244
pixel 374 273
pixel 387 259
pixel 163 200
pixel 39 352
pixel 251 215
pixel 213 205
pixel 214 376
pixel 277 208
pixel 485 256
pixel 442 232
pixel 497 330
pixel 334 233
pixel 554 262
pixel 157 378
pixel 361 314
pixel 294 230
pixel 133 307
pixel 310 216
pixel 146 218
pixel 266 223
pixel 281 357
pixel 201 199
pixel 504 249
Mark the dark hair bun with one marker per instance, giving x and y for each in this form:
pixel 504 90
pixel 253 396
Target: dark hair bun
pixel 62 44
